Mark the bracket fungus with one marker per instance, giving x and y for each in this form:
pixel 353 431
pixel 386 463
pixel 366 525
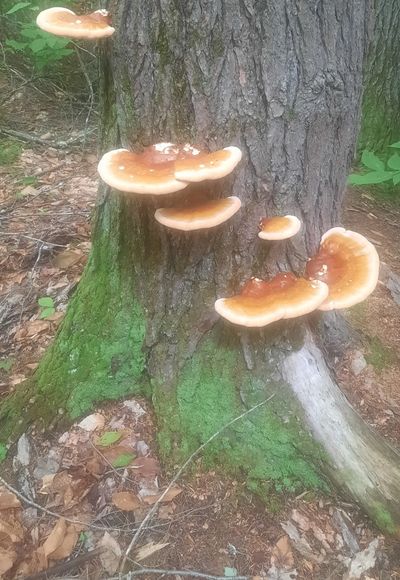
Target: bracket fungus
pixel 349 264
pixel 64 22
pixel 261 302
pixel 200 216
pixel 159 168
pixel 279 227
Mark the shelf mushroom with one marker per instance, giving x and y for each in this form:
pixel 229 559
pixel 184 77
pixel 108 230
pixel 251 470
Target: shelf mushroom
pixel 64 22
pixel 262 302
pixel 200 216
pixel 349 264
pixel 164 167
pixel 279 227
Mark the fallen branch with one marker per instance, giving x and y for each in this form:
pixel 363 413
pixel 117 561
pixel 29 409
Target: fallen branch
pixel 66 566
pixel 177 476
pixel 188 573
pixel 45 142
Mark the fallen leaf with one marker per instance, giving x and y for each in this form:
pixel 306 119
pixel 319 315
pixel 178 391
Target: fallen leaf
pixel 363 561
pixel 282 555
pixel 147 550
pixel 68 544
pixel 95 466
pixel 166 511
pixel 67 258
pixel 147 466
pixel 36 327
pixel 11 527
pixel 169 496
pixel 109 438
pixel 8 500
pixel 126 501
pixel 55 538
pixel 92 422
pixel 111 554
pixel 7 560
pixel 118 456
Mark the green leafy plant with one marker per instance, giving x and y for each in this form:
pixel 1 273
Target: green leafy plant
pixel 47 307
pixel 108 438
pixel 6 364
pixel 379 171
pixel 123 460
pixel 9 152
pixel 3 452
pixel 30 41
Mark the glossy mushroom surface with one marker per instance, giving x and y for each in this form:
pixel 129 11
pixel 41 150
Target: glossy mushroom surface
pixel 200 216
pixel 208 165
pixel 64 22
pixel 262 302
pixel 349 264
pixel 279 227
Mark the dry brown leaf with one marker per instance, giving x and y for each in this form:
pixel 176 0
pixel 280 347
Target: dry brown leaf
pixel 67 258
pixel 126 501
pixel 35 327
pixel 147 466
pixel 169 496
pixel 8 500
pixel 68 544
pixel 95 466
pixel 7 560
pixel 55 538
pixel 282 555
pixel 112 454
pixel 111 554
pixel 11 527
pixel 147 550
pixel 47 483
pixel 166 511
pixel 92 422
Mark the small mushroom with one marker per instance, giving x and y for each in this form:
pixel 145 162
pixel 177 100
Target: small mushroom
pixel 64 22
pixel 208 165
pixel 201 216
pixel 349 264
pixel 279 227
pixel 154 171
pixel 261 302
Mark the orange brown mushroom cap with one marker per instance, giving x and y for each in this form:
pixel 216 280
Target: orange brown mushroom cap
pixel 262 302
pixel 150 172
pixel 208 165
pixel 64 22
pixel 349 264
pixel 279 227
pixel 200 216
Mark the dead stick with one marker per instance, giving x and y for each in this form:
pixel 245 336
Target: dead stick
pixel 66 566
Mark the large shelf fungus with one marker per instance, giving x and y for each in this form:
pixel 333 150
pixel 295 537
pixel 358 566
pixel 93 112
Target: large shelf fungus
pixel 349 264
pixel 64 22
pixel 200 216
pixel 165 167
pixel 279 227
pixel 262 302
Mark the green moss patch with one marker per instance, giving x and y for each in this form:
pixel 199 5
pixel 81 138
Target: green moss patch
pixel 268 445
pixel 380 356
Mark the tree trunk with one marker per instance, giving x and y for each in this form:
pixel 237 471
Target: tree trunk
pixel 282 80
pixel 381 100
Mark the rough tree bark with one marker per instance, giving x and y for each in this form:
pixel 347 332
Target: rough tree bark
pixel 282 80
pixel 381 100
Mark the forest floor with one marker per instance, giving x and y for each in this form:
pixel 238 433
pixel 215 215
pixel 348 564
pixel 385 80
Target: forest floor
pixel 83 493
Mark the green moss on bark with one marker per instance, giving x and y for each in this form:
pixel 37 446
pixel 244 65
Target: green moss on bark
pixel 269 445
pixel 97 354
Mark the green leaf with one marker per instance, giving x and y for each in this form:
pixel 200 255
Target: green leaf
pixel 394 161
pixel 370 178
pixel 6 364
pixel 371 161
pixel 46 312
pixel 38 44
pixel 15 45
pixel 123 460
pixel 30 31
pixel 46 301
pixel 3 451
pixel 18 6
pixel 109 438
pixel 396 179
pixel 229 572
pixel 395 145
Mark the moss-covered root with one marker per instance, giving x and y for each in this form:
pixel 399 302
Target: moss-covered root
pixel 97 353
pixel 269 445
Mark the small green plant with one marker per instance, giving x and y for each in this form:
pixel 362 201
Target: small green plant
pixel 6 364
pixel 3 452
pixel 109 438
pixel 380 171
pixel 9 152
pixel 379 356
pixel 47 307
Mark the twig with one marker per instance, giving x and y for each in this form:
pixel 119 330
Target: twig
pixel 91 91
pixel 22 136
pixel 188 573
pixel 177 476
pixel 16 235
pixel 66 566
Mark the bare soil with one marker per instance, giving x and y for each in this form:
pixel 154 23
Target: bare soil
pixel 214 525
